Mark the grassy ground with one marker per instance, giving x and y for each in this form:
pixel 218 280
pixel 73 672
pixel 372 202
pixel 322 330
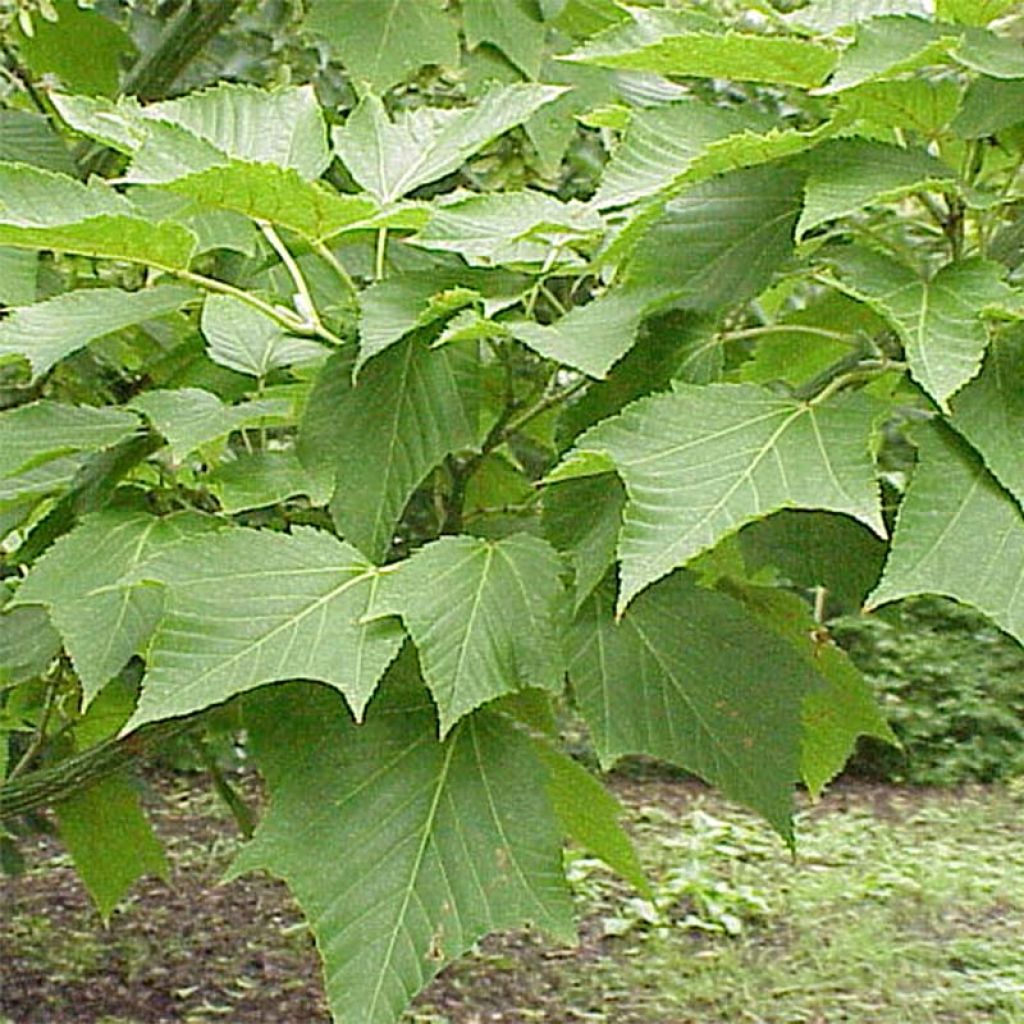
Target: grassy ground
pixel 901 906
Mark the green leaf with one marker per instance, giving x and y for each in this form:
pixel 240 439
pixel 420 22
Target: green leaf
pixel 20 491
pixel 110 840
pixel 989 54
pixel 590 815
pixel 702 461
pixel 838 712
pixel 720 243
pixel 494 631
pixel 277 195
pixel 939 320
pixel 582 18
pixel 825 16
pixel 958 534
pixel 990 105
pixel 662 144
pixel 283 126
pixel 973 12
pixel 83 581
pixel 519 229
pixel 248 607
pixel 689 676
pixel 36 433
pixel 924 106
pixel 28 139
pixel 384 42
pixel 266 478
pixel 18 273
pixel 989 412
pixel 28 644
pixel 48 331
pixel 82 47
pixel 392 158
pixel 887 47
pixel 582 518
pixel 248 341
pixel 191 417
pixel 445 841
pixel 590 338
pixel 508 25
pixel 739 56
pixel 42 210
pixel 410 408
pixel 847 175
pixel 392 308
pixel 816 549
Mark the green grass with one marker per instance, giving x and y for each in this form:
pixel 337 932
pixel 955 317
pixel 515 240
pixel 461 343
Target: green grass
pixel 910 915
pixel 900 907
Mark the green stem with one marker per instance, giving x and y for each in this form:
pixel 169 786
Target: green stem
pixel 324 252
pixel 381 254
pixel 294 272
pixel 757 332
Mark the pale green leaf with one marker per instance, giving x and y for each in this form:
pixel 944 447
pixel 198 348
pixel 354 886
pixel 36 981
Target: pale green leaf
pixel 248 607
pixel 266 478
pixel 939 320
pixel 110 840
pixel 18 273
pixel 700 462
pixel 508 25
pixel 392 158
pixel 83 48
pixel 444 842
pixel 282 126
pixel 590 815
pixel 958 534
pixel 527 229
pixel 739 56
pixel 720 243
pixel 29 139
pixel 411 407
pixel 496 629
pixel 989 412
pixel 847 175
pixel 42 210
pixel 383 42
pixel 19 491
pixel 689 676
pixel 83 582
pixel 46 332
pixel 826 16
pixel 41 431
pixel 582 18
pixel 887 47
pixel 590 338
pixel 973 12
pixel 990 54
pixel 248 341
pixel 191 417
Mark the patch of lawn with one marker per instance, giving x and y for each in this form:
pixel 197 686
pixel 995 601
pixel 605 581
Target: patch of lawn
pixel 900 907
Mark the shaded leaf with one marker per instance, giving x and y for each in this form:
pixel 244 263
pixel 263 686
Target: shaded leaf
pixel 411 407
pixel 508 25
pixel 384 42
pixel 266 478
pixel 48 331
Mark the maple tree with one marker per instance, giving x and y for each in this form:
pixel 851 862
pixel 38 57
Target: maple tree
pixel 568 351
